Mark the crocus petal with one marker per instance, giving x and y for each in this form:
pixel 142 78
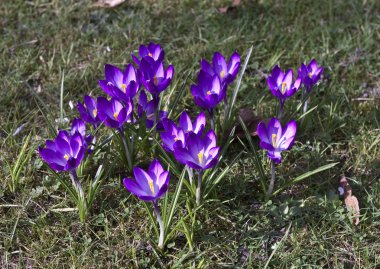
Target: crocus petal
pixel 132 186
pixel 219 64
pixel 51 156
pixel 129 74
pixel 113 75
pixel 288 78
pixel 206 67
pixel 199 123
pixel 288 135
pixel 169 72
pixel 155 169
pixel 142 179
pixel 185 122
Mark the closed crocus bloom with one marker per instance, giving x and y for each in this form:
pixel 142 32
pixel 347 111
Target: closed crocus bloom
pixel 148 185
pixel 89 111
pixel 148 108
pixel 200 153
pixel 113 113
pixel 154 77
pixel 78 126
pixel 197 126
pixel 281 84
pixel 65 153
pixel 275 139
pixel 310 74
pixel 171 135
pixel 119 85
pixel 226 71
pixel 153 51
pixel 208 93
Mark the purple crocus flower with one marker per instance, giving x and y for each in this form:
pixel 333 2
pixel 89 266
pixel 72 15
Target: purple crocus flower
pixel 119 85
pixel 88 111
pixel 65 153
pixel 78 126
pixel 154 77
pixel 200 153
pixel 148 108
pixel 281 85
pixel 226 72
pixel 150 185
pixel 208 93
pixel 113 113
pixel 171 135
pixel 310 74
pixel 275 139
pixel 153 51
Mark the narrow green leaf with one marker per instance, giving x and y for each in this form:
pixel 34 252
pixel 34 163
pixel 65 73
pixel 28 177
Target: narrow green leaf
pixel 305 175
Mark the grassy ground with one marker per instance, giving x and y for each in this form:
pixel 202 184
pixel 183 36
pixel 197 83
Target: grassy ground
pixel 42 41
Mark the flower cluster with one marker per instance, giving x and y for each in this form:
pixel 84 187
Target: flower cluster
pixel 273 137
pixel 213 80
pixel 188 142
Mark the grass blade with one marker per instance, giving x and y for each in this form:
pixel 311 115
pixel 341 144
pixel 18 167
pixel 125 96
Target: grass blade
pixel 305 175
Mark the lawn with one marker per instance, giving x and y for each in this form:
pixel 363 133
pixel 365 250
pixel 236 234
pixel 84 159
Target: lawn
pixel 54 52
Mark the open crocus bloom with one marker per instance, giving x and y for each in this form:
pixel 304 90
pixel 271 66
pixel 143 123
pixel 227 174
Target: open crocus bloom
pixel 119 85
pixel 150 185
pixel 88 111
pixel 281 85
pixel 208 93
pixel 153 51
pixel 226 72
pixel 113 113
pixel 275 139
pixel 154 77
pixel 310 74
pixel 65 153
pixel 200 153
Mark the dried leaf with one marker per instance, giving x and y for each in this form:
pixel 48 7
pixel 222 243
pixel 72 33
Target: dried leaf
pixel 230 8
pixel 108 3
pixel 352 203
pixel 250 120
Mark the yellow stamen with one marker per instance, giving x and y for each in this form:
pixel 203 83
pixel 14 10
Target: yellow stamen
pixel 200 157
pixel 176 138
pixel 283 87
pixel 151 186
pixel 155 82
pixel 115 115
pixel 310 75
pixel 274 140
pixel 150 54
pixel 123 87
pixel 208 92
pixel 66 157
pixel 222 74
pixel 95 112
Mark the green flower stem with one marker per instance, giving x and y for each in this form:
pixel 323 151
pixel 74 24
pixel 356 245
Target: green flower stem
pixel 198 191
pixel 273 178
pixel 81 205
pixel 161 224
pixel 127 152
